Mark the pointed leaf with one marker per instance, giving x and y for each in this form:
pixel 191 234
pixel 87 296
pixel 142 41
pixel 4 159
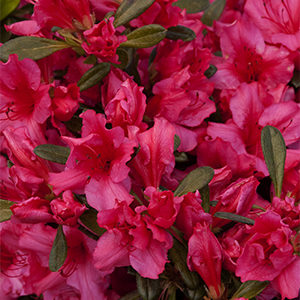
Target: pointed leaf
pixel 180 32
pixel 59 250
pixel 145 37
pixel 7 7
pixel 54 153
pixel 274 151
pixel 192 6
pixel 149 289
pixel 250 289
pixel 177 142
pixel 89 220
pixel 5 212
pixel 213 12
pixel 129 10
pixel 93 76
pixel 195 180
pixel 30 47
pixel 233 217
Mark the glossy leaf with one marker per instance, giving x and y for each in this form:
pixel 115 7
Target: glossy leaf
pixel 180 32
pixel 7 7
pixel 149 289
pixel 54 153
pixel 93 76
pixel 145 37
pixel 233 217
pixel 5 212
pixel 129 10
pixel 31 47
pixel 195 180
pixel 250 289
pixel 192 6
pixel 213 12
pixel 59 250
pixel 89 220
pixel 274 151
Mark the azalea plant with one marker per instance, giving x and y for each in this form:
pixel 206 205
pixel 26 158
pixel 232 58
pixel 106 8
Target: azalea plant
pixel 150 149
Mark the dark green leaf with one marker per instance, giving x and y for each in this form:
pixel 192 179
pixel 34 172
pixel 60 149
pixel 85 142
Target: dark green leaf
pixel 135 295
pixel 89 220
pixel 250 289
pixel 233 217
pixel 149 289
pixel 7 7
pixel 145 37
pixel 5 212
pixel 204 192
pixel 30 47
pixel 93 76
pixel 192 6
pixel 296 79
pixel 59 250
pixel 274 151
pixel 180 32
pixel 54 153
pixel 124 58
pixel 210 71
pixel 195 180
pixel 213 12
pixel 130 9
pixel 177 142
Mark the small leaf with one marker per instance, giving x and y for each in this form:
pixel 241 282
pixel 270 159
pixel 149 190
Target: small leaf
pixel 195 180
pixel 149 289
pixel 204 192
pixel 213 12
pixel 5 212
pixel 129 10
pixel 145 37
pixel 59 251
pixel 296 79
pixel 274 151
pixel 89 220
pixel 192 6
pixel 180 32
pixel 93 76
pixel 233 217
pixel 177 142
pixel 30 47
pixel 250 289
pixel 7 7
pixel 210 71
pixel 54 153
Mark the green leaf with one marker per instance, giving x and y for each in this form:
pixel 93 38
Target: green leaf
pixel 30 47
pixel 54 153
pixel 89 220
pixel 250 289
pixel 195 180
pixel 192 6
pixel 93 76
pixel 213 12
pixel 274 150
pixel 296 79
pixel 135 295
pixel 180 32
pixel 59 251
pixel 5 212
pixel 204 192
pixel 233 217
pixel 177 142
pixel 129 10
pixel 210 71
pixel 145 37
pixel 7 7
pixel 149 289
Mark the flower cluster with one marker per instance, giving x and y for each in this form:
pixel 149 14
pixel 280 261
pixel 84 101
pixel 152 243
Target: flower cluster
pixel 150 149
